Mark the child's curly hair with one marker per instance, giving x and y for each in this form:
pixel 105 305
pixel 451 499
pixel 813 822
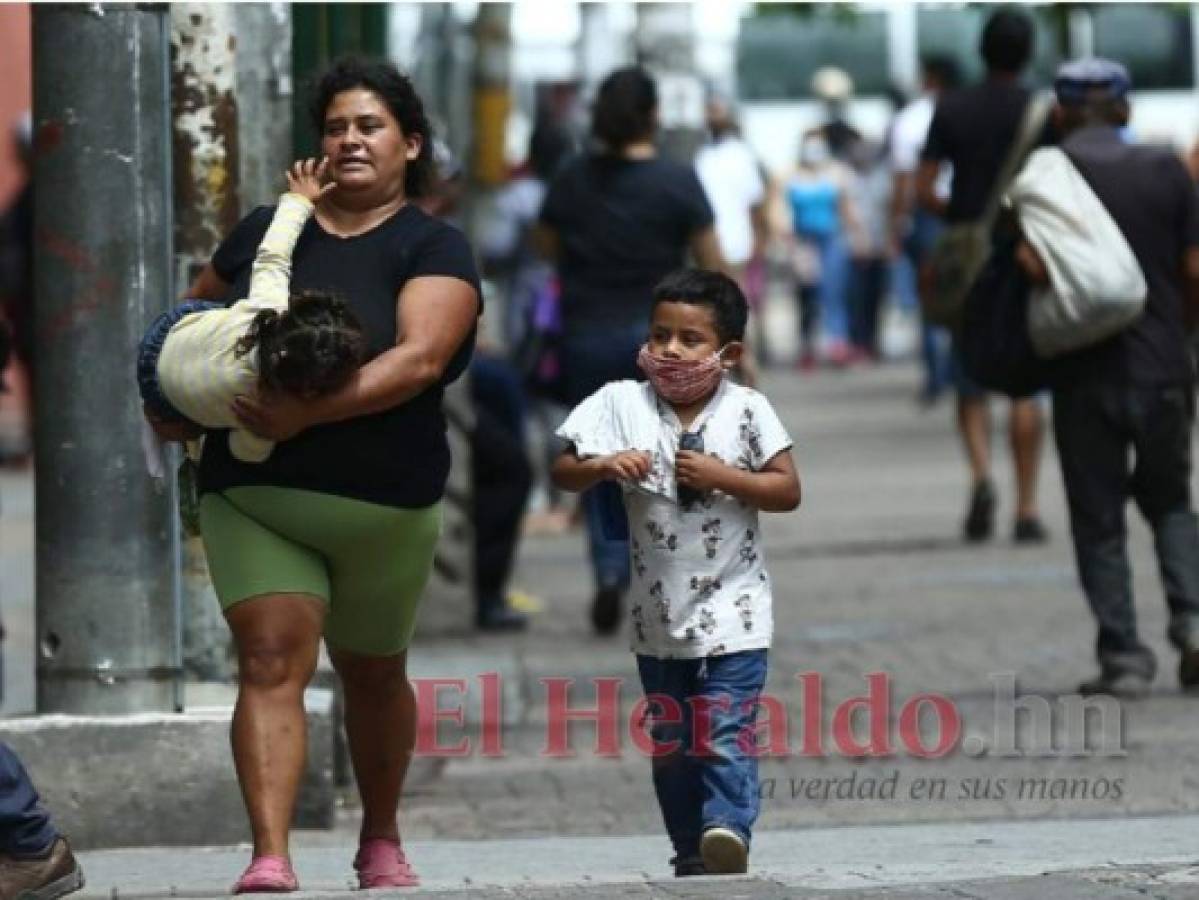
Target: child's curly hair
pixel 313 348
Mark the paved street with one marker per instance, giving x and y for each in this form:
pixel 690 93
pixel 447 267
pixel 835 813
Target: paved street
pixel 871 578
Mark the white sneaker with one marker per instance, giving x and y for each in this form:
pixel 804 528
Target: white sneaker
pixel 724 852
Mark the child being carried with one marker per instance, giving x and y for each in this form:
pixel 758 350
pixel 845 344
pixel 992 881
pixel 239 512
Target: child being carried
pixel 196 359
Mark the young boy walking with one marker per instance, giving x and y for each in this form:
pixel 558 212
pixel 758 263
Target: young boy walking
pixel 697 457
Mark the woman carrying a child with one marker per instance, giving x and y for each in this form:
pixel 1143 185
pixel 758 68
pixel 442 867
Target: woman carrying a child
pixel 333 533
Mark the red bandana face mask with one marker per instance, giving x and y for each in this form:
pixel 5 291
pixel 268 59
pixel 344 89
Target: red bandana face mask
pixel 681 381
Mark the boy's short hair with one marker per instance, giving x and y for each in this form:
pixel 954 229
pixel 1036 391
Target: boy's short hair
pixel 714 290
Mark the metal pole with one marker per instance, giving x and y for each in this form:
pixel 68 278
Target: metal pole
pixel 105 620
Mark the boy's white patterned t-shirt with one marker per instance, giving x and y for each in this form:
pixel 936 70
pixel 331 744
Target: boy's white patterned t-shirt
pixel 699 581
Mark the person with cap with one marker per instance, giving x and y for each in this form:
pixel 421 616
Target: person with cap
pixel 1124 409
pixel 834 88
pixel 974 129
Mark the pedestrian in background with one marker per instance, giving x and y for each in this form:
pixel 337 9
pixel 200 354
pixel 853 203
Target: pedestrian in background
pixel 973 130
pixel 818 196
pixel 870 247
pixel 697 457
pixel 914 229
pixel 1124 409
pixel 616 220
pixel 35 860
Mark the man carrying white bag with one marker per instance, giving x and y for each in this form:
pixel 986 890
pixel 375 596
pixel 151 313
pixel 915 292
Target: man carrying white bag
pixel 1112 240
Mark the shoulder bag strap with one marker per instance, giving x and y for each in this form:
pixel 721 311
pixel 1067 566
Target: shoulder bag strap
pixel 1031 125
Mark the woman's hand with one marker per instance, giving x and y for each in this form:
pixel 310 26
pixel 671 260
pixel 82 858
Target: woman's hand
pixel 277 416
pixel 698 470
pixel 172 431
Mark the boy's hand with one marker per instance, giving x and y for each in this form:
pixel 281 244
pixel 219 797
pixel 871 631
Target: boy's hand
pixel 630 465
pixel 697 470
pixel 306 177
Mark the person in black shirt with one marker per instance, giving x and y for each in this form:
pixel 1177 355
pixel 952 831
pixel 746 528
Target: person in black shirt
pixel 973 129
pixel 617 221
pixel 334 534
pixel 1124 408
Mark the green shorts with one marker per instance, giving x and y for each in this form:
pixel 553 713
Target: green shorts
pixel 368 563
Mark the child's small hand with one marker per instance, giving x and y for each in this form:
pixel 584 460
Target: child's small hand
pixel 306 177
pixel 698 470
pixel 630 465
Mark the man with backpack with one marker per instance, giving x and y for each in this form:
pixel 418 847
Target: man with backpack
pixel 1124 407
pixel 978 130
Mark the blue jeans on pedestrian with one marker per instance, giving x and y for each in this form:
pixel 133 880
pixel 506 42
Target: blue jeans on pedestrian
pixel 834 286
pixel 935 349
pixel 150 349
pixel 592 358
pixel 699 790
pixel 25 828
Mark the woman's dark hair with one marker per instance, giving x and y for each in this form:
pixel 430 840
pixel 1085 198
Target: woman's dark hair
pixel 397 93
pixel 1007 41
pixel 313 348
pixel 625 108
pixel 714 290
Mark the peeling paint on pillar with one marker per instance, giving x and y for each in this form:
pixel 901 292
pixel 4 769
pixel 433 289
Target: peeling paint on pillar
pixel 204 109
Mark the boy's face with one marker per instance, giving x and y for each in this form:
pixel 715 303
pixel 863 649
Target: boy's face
pixel 688 331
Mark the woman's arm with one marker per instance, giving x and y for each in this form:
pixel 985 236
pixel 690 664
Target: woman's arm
pixel 546 242
pixel 435 315
pixel 926 187
pixel 705 247
pixel 208 285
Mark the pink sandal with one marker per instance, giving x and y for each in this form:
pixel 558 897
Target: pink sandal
pixel 267 875
pixel 381 863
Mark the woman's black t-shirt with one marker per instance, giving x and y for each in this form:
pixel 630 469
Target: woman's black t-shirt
pixel 622 225
pixel 398 457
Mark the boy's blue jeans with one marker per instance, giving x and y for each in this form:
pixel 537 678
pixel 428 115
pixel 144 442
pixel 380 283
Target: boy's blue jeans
pixel 698 790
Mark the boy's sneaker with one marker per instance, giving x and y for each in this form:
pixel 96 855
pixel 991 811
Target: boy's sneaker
pixel 723 852
pixel 47 877
pixel 686 866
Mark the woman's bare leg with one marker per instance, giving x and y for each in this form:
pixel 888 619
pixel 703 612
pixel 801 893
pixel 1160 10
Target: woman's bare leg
pixel 381 727
pixel 278 639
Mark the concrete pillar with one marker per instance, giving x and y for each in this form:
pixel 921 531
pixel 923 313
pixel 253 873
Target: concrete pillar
pixel 206 175
pixel 106 623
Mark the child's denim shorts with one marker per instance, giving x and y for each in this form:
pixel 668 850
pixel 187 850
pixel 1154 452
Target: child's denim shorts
pixel 150 349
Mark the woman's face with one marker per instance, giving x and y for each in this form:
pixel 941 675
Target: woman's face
pixel 366 147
